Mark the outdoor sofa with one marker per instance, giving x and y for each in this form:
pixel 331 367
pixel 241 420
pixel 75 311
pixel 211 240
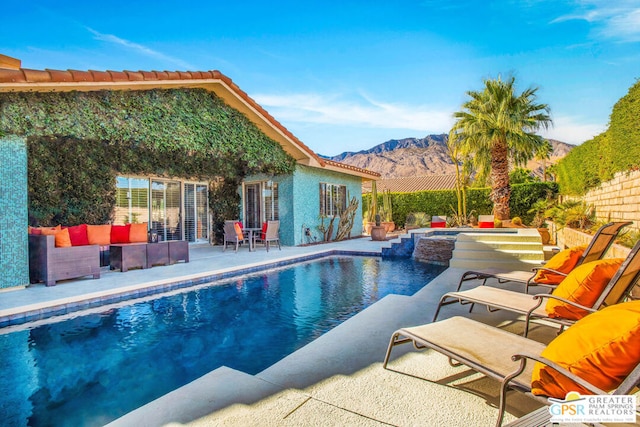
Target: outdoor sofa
pixel 59 253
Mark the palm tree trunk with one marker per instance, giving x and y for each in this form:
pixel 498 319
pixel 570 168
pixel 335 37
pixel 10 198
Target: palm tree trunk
pixel 500 188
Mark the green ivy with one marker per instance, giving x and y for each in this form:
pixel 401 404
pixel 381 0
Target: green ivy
pixel 615 150
pixel 79 141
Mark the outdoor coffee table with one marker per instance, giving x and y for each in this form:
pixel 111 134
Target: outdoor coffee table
pixel 157 254
pixel 128 255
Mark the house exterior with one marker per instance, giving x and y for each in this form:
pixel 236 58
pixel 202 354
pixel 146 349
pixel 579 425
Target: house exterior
pixel 178 208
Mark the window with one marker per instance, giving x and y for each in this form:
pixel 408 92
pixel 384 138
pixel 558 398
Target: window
pixel 132 200
pixel 333 199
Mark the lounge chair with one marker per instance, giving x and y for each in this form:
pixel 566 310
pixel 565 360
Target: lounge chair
pixel 233 235
pixel 616 290
pixel 600 243
pixel 495 352
pixel 270 235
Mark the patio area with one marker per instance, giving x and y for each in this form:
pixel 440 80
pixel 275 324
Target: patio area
pixel 337 379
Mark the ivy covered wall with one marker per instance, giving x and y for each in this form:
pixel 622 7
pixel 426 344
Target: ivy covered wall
pixel 79 141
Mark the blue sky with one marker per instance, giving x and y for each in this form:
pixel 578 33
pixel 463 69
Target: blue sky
pixel 348 75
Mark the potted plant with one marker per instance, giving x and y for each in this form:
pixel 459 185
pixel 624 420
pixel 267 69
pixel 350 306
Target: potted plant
pixel 539 209
pixel 387 212
pixel 378 231
pixel 372 211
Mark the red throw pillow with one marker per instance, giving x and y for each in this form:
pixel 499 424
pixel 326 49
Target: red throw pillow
pixel 78 235
pixel 263 233
pixel 439 224
pixel 486 224
pixel 120 233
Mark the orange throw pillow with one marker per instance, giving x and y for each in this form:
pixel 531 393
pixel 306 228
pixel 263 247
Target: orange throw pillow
pixel 62 239
pixel 602 348
pixel 583 286
pixel 138 233
pixel 238 231
pixel 50 231
pixel 564 261
pixel 99 234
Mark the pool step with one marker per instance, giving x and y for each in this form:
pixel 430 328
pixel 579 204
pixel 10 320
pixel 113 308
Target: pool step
pixel 513 251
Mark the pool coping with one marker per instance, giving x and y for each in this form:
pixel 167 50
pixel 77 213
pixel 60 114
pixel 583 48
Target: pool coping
pixel 42 310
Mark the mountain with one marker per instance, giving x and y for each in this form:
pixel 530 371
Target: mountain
pixel 407 157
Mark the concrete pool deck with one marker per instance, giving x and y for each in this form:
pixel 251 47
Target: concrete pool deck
pixel 337 379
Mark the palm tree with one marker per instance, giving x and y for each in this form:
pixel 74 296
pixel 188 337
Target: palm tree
pixel 497 125
pixel 542 155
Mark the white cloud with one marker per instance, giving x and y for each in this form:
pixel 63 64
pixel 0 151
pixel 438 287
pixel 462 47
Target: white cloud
pixel 138 48
pixel 569 129
pixel 619 20
pixel 335 110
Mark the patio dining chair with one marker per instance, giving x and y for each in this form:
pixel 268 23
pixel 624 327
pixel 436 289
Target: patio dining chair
pixel 270 235
pixel 597 355
pixel 598 246
pixel 233 234
pixel 568 302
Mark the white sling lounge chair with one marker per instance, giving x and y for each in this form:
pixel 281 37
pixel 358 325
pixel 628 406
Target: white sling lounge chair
pixel 600 243
pixel 616 290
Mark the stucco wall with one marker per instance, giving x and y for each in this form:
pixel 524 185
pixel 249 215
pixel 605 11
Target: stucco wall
pixel 299 202
pixel 618 199
pixel 14 252
pixel 306 200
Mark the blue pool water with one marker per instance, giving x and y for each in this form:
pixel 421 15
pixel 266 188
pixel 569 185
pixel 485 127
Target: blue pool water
pixel 90 369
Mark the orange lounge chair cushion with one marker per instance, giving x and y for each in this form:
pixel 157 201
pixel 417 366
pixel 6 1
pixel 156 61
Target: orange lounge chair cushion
pixel 601 348
pixel 564 261
pixel 583 285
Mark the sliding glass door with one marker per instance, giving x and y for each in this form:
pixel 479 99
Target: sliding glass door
pixel 166 218
pixel 176 210
pixel 260 203
pixel 196 212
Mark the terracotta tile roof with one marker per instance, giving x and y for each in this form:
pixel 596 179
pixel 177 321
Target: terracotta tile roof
pixel 24 80
pixel 413 184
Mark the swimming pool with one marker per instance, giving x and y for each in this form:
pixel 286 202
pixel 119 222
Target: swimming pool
pixel 90 369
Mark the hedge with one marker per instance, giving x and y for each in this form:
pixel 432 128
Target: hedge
pixel 444 202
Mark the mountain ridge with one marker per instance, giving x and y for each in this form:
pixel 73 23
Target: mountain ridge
pixel 406 157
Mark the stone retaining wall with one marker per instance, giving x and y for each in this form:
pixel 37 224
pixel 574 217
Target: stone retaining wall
pixel 618 199
pixel 569 237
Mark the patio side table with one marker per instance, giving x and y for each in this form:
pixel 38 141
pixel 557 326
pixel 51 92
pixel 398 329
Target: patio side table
pixel 128 255
pixel 157 254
